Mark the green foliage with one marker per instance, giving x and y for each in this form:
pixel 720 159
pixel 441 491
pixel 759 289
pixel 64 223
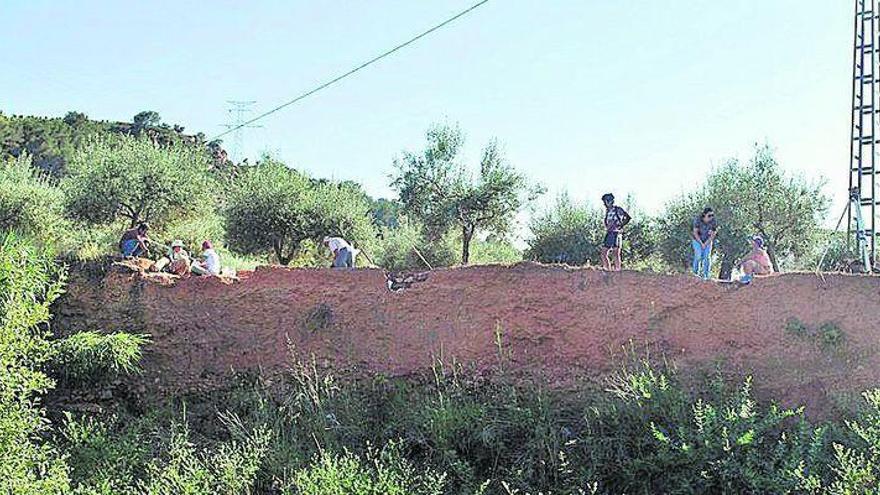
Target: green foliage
pixel 52 142
pixel 136 180
pixel 438 190
pixel 573 233
pixel 92 356
pixel 383 472
pixel 856 468
pixel 494 249
pixel 750 198
pixel 827 335
pixel 231 467
pixel 395 248
pixel 103 456
pixel 29 203
pixel 272 208
pixel 796 327
pixel 29 283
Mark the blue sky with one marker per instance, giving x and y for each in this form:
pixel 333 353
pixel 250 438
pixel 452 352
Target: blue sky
pixel 635 97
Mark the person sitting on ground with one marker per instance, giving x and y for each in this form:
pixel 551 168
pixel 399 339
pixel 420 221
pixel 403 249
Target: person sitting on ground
pixel 177 260
pixel 134 241
pixel 705 228
pixel 757 262
pixel 615 219
pixel 210 262
pixel 343 253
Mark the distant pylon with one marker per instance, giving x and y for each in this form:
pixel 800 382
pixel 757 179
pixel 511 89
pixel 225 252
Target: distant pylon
pixel 237 111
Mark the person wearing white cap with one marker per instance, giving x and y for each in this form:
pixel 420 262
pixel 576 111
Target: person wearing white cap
pixel 176 261
pixel 343 253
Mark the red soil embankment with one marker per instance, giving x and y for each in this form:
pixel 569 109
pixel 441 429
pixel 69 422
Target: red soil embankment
pixel 553 320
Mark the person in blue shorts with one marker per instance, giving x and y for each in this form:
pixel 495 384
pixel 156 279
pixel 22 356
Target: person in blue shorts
pixel 615 219
pixel 134 241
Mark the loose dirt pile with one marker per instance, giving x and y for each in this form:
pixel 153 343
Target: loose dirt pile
pixel 562 323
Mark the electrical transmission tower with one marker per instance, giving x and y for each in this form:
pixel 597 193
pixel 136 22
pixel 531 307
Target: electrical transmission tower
pixel 864 141
pixel 238 111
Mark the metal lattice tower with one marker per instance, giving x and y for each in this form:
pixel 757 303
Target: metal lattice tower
pixel 865 112
pixel 237 111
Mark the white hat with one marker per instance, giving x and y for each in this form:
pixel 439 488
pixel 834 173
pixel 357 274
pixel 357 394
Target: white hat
pixel 177 243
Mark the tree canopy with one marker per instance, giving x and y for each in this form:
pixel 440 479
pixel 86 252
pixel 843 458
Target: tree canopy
pixel 750 198
pixel 436 188
pixel 272 208
pixel 136 180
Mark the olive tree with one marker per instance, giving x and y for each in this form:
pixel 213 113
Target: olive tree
pixel 437 189
pixel 749 198
pixel 272 208
pixel 136 180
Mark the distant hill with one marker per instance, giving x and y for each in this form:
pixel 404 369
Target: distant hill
pixel 52 140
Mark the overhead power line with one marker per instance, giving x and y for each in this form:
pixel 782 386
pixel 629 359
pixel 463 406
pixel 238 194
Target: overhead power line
pixel 352 71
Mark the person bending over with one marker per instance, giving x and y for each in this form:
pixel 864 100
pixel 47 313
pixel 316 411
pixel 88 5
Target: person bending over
pixel 134 241
pixel 343 254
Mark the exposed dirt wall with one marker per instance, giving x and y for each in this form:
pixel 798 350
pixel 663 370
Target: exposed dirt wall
pixel 562 322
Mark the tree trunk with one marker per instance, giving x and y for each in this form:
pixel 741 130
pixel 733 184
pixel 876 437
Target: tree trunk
pixel 772 254
pixel 466 234
pixel 726 269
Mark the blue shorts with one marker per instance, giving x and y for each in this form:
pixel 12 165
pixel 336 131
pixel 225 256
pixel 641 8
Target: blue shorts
pixel 130 247
pixel 612 240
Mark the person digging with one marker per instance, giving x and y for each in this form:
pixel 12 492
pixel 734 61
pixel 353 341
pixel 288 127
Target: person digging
pixel 134 241
pixel 342 252
pixel 177 261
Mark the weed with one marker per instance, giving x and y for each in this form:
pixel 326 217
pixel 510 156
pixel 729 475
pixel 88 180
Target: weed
pixel 796 327
pixel 830 335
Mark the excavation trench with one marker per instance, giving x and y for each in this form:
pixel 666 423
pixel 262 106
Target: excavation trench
pixel 559 323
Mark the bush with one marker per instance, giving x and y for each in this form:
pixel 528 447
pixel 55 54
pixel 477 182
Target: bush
pixel 29 203
pixel 573 233
pixel 395 249
pixel 29 283
pixel 91 356
pixel 382 472
pixel 231 467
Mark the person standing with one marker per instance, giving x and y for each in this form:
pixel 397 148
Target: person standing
pixel 343 253
pixel 615 219
pixel 703 233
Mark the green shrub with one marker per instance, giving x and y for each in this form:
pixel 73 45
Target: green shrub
pixel 382 472
pixel 395 249
pixel 29 282
pixel 229 468
pixel 796 327
pixel 830 335
pixel 91 356
pixel 29 203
